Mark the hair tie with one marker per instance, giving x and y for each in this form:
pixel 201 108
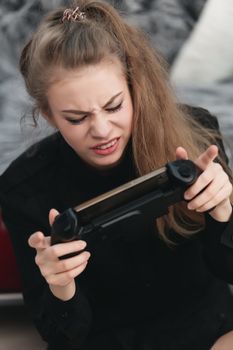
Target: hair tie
pixel 73 15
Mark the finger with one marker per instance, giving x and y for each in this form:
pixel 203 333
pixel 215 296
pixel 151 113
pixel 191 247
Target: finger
pixel 181 153
pixel 52 214
pixel 71 263
pixel 62 279
pixel 221 196
pixel 60 249
pixel 60 266
pixel 209 193
pixel 207 157
pixel 38 241
pixel 214 171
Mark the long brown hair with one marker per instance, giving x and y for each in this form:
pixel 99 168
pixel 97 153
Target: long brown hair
pixel 160 125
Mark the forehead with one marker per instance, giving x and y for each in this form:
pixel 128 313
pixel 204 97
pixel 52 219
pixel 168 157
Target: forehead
pixel 99 81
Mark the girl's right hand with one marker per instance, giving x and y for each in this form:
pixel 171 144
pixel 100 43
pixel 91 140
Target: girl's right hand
pixel 59 274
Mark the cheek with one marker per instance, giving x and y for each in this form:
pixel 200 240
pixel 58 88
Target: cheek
pixel 67 131
pixel 74 138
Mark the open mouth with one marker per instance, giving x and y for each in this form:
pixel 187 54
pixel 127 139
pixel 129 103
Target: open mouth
pixel 107 145
pixel 106 148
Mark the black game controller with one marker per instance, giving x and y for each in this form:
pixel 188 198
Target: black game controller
pixel 148 196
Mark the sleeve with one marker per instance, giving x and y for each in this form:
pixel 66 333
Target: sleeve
pixel 217 237
pixel 208 121
pixel 218 247
pixel 63 324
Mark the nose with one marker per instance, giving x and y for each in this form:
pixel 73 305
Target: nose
pixel 100 127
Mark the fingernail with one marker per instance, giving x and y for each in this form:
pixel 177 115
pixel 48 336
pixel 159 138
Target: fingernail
pixel 82 244
pixel 186 196
pixel 88 254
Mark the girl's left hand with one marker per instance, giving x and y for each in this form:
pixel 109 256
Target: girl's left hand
pixel 212 189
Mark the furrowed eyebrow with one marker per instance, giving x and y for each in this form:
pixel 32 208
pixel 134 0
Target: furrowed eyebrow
pixel 112 99
pixel 75 111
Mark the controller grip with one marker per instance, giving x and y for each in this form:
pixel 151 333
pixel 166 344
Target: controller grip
pixel 65 229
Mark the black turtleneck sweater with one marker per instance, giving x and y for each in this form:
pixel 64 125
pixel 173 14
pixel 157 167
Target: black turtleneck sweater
pixel 136 292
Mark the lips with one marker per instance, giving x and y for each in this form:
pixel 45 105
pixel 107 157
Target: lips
pixel 106 145
pixel 107 148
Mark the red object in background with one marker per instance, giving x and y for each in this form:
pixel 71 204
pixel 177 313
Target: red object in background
pixel 9 273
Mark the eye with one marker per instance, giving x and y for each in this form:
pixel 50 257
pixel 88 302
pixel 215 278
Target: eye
pixel 76 121
pixel 114 109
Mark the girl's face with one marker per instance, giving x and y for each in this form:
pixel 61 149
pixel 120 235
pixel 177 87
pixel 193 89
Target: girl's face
pixel 92 109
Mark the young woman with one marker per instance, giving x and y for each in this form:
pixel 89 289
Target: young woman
pixel 97 80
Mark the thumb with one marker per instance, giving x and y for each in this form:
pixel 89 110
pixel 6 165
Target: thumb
pixel 181 153
pixel 52 214
pixel 37 240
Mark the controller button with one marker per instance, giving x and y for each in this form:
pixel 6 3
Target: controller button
pixel 184 171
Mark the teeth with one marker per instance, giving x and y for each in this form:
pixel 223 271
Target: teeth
pixel 108 145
